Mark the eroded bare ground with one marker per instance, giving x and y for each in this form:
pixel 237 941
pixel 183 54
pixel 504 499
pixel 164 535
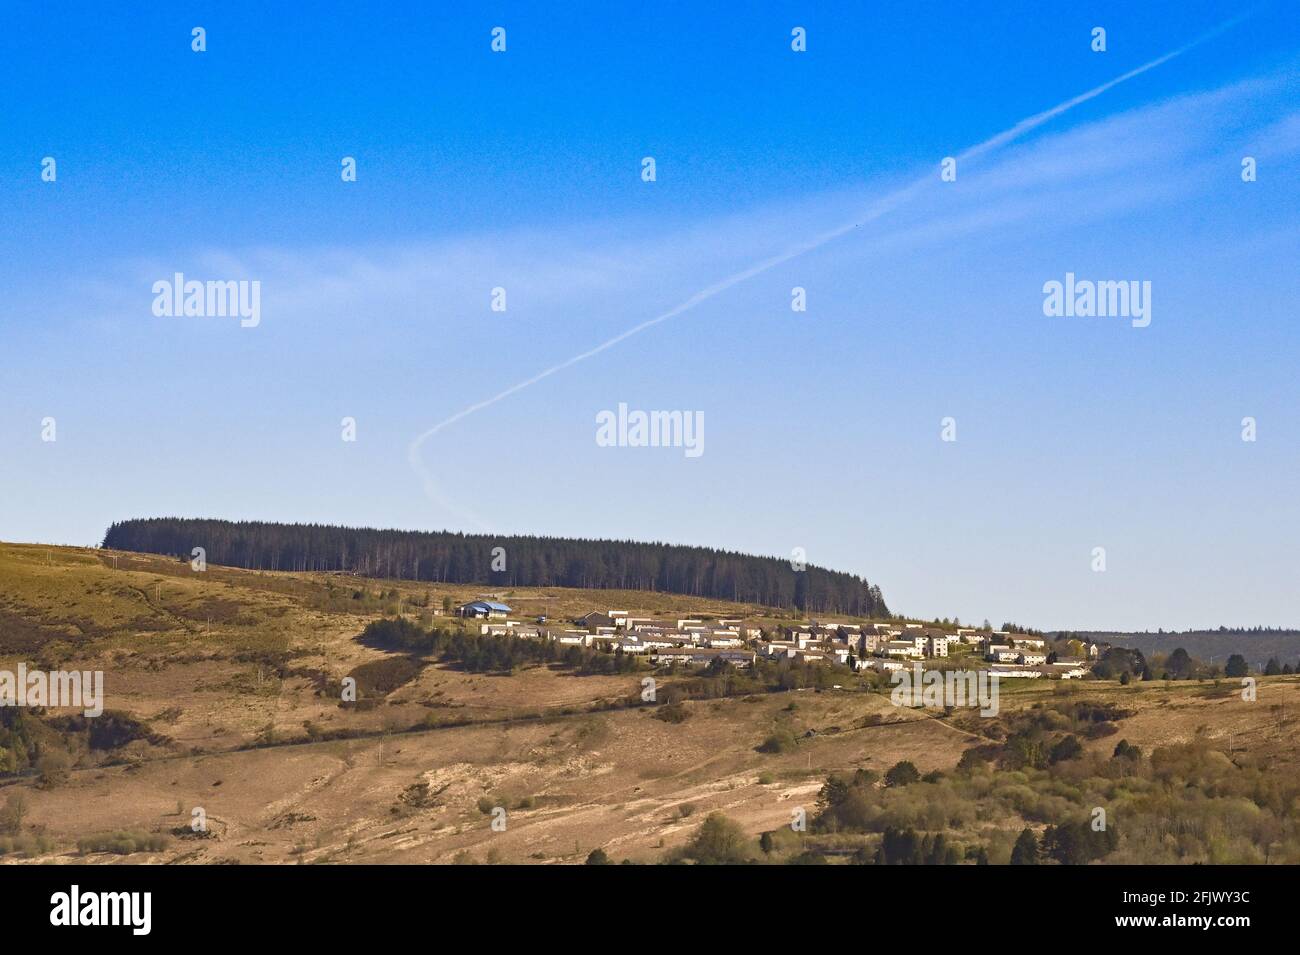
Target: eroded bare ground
pixel 617 780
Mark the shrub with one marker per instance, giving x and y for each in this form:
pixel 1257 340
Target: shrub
pixel 782 741
pixel 1126 750
pixel 1068 748
pixel 122 843
pixel 1236 666
pixel 672 713
pixel 53 769
pixel 13 813
pixel 381 677
pixel 27 846
pixel 1025 851
pixel 902 774
pixel 718 841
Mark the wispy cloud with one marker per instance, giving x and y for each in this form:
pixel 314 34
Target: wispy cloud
pixel 580 279
pixel 879 208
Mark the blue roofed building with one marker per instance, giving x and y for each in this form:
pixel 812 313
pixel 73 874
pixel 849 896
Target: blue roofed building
pixel 483 610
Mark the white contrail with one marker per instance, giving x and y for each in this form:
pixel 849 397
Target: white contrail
pixel 882 206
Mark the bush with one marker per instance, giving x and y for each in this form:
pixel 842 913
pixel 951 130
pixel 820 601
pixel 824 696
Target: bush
pixel 1126 750
pixel 672 713
pixel 1067 748
pixel 27 846
pixel 718 841
pixel 377 678
pixel 13 813
pixel 1025 851
pixel 1078 843
pixel 403 635
pixel 122 843
pixel 900 847
pixel 1236 666
pixel 53 769
pixel 902 774
pixel 782 741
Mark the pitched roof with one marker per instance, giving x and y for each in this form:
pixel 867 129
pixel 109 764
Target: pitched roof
pixel 489 604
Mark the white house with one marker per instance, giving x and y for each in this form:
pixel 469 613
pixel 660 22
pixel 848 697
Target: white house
pixel 658 643
pixel 722 640
pixel 835 625
pixel 695 656
pixel 901 648
pixel 571 638
pixel 1012 670
pixel 1069 669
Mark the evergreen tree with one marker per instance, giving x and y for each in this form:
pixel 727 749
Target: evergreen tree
pixel 446 557
pixel 1025 851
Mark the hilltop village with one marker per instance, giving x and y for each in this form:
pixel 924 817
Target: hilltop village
pixel 880 647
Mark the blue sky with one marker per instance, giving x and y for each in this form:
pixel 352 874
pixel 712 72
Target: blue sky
pixel 521 170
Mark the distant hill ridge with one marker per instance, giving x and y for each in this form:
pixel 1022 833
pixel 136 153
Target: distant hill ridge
pixel 1256 644
pixel 447 557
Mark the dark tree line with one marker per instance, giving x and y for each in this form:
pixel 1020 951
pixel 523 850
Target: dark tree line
pixel 1255 644
pixel 446 557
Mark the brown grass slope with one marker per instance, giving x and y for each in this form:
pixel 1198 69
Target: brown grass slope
pixel 231 673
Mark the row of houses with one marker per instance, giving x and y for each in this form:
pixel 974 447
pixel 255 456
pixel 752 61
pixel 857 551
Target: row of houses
pixel 1057 670
pixel 689 641
pixel 845 643
pixel 692 641
pixel 887 647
